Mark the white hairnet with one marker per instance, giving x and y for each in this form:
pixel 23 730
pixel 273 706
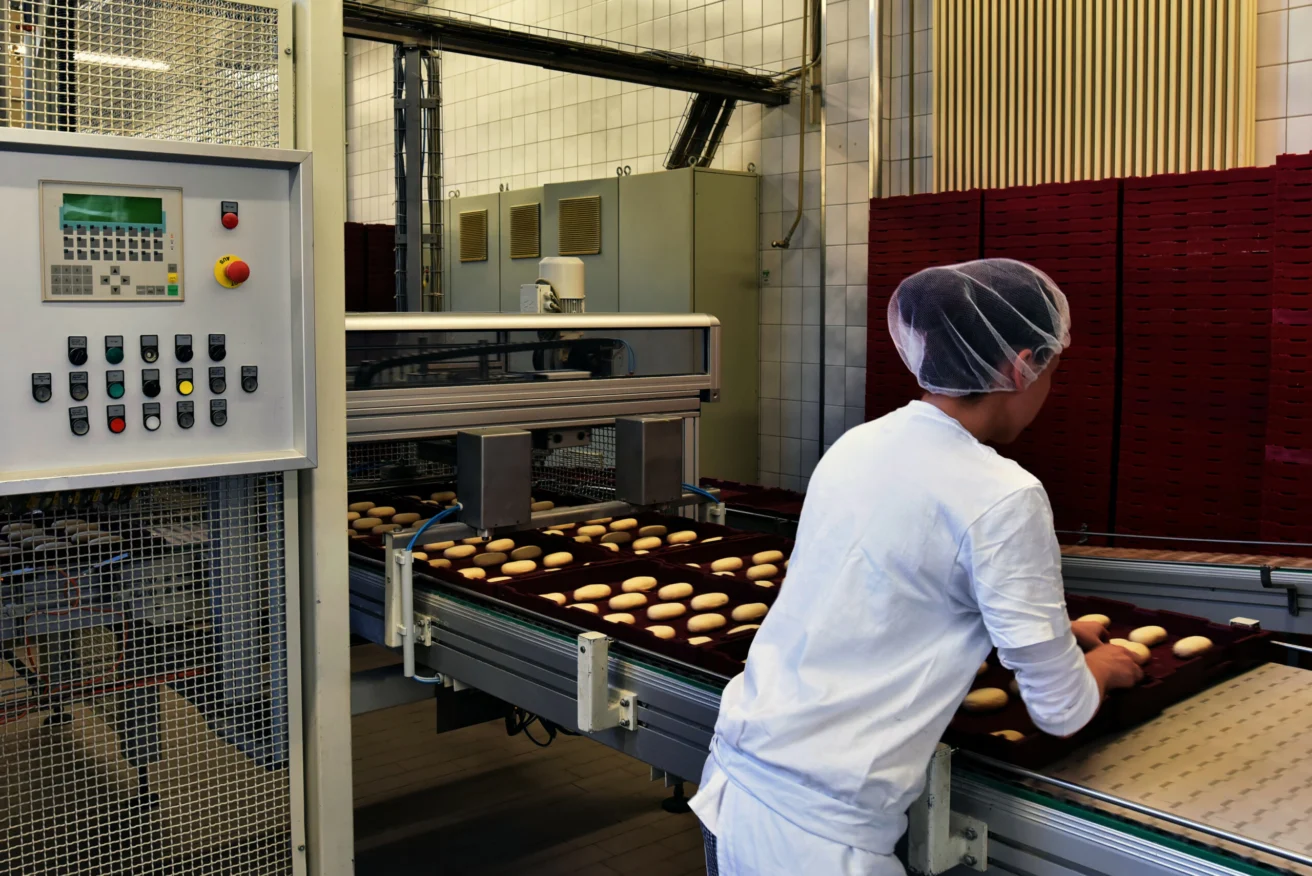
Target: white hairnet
pixel 961 328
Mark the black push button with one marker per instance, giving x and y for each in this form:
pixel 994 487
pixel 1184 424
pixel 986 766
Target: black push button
pixel 78 422
pixel 41 388
pixel 77 385
pixel 250 378
pixel 77 351
pixel 150 348
pixel 182 347
pixel 218 348
pixel 218 411
pixel 186 414
pixel 218 380
pixel 150 382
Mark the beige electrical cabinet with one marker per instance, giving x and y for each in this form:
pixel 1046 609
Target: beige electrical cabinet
pixel 689 245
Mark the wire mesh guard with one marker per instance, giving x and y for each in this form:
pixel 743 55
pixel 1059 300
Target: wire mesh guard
pixel 587 471
pixel 376 462
pixel 143 682
pixel 197 70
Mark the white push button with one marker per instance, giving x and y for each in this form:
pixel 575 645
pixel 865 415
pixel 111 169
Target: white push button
pixel 152 423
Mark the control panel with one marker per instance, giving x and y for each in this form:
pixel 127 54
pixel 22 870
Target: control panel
pixel 150 334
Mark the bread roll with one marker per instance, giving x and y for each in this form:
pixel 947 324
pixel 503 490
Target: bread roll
pixel 985 699
pixel 599 521
pixel 383 511
pixel 661 632
pixel 86 535
pixel 1148 635
pixel 641 553
pixel 460 551
pixel 763 557
pixel 586 606
pixel 503 545
pixel 565 526
pixel 666 610
pixel 490 559
pixel 1096 619
pixel 724 574
pixel 699 640
pixel 554 532
pixel 592 530
pixel 712 539
pixel 1009 735
pixel 624 525
pixel 619 617
pixel 557 559
pixel 352 516
pixel 742 629
pixel 473 539
pixel 704 623
pixel 558 598
pixel 638 584
pixel 592 591
pixel 443 496
pixel 418 556
pixel 498 578
pixel 983 668
pixel 360 507
pixel 682 537
pixel 674 591
pixel 654 530
pixel 616 538
pixel 707 601
pixel 527 552
pixel 759 573
pixel 727 564
pixel 1138 650
pixel 405 518
pixel 439 563
pixel 1191 646
pixel 750 612
pixel 385 528
pixel 435 547
pixel 583 539
pixel 626 601
pixel 646 544
pixel 542 506
pixel 611 546
pixel 364 524
pixel 474 573
pixel 519 567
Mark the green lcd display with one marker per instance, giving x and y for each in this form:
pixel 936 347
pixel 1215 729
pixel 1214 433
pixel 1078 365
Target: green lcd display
pixel 112 209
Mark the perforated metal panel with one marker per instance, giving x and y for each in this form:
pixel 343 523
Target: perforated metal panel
pixel 473 236
pixel 144 712
pixel 580 226
pixel 205 71
pixel 525 231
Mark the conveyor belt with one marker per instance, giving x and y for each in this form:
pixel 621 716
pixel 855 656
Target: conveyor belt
pixel 1233 757
pixel 1208 557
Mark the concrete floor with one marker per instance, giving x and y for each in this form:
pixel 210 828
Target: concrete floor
pixel 475 801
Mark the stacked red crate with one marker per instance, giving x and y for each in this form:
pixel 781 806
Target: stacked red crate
pixel 1069 231
pixel 1287 474
pixel 1196 287
pixel 908 234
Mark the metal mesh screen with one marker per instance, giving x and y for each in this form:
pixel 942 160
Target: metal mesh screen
pixel 143 680
pixel 376 462
pixel 579 471
pixel 203 71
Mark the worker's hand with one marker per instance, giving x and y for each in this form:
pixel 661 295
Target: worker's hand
pixel 1089 634
pixel 1113 667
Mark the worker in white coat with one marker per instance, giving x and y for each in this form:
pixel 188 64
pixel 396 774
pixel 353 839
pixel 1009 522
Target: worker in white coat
pixel 919 549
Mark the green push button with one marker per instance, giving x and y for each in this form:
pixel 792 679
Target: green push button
pixel 114 355
pixel 116 390
pixel 173 288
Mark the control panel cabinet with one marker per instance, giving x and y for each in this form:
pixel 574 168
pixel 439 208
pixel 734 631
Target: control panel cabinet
pixel 133 269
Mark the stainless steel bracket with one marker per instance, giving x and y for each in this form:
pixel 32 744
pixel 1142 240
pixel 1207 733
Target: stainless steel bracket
pixel 601 707
pixel 938 838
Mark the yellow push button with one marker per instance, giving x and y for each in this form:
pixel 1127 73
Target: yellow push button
pixel 185 387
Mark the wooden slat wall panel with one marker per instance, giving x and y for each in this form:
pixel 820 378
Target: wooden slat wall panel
pixel 1038 91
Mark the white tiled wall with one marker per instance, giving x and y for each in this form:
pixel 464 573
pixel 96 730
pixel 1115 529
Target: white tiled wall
pixel 1284 78
pixel 371 188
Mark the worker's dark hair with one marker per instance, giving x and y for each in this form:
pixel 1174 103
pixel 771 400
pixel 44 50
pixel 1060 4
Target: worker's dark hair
pixel 972 319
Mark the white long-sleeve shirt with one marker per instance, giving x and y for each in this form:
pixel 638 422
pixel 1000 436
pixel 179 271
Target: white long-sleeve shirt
pixel 918 548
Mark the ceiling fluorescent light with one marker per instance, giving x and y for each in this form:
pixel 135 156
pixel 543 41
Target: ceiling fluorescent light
pixel 120 61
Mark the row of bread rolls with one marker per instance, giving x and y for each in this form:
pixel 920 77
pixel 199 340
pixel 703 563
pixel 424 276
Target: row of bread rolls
pixel 1142 640
pixel 644 602
pixel 40 536
pixel 500 554
pixel 611 533
pixel 764 566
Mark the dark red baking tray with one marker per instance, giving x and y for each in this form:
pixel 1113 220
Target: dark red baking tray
pixel 743 547
pixel 1168 679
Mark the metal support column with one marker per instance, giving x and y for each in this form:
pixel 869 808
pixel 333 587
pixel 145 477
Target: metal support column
pixel 408 101
pixel 433 174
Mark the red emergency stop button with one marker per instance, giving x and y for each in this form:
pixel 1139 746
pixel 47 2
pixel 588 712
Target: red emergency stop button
pixel 231 271
pixel 117 424
pixel 229 221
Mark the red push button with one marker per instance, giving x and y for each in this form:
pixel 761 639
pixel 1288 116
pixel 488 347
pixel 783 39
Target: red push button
pixel 230 221
pixel 237 272
pixel 117 424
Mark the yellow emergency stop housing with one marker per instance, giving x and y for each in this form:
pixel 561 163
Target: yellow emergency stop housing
pixel 220 271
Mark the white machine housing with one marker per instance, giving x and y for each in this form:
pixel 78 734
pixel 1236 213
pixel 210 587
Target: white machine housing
pixel 265 324
pixel 560 287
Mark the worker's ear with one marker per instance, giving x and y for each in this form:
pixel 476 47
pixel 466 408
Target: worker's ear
pixel 1021 367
